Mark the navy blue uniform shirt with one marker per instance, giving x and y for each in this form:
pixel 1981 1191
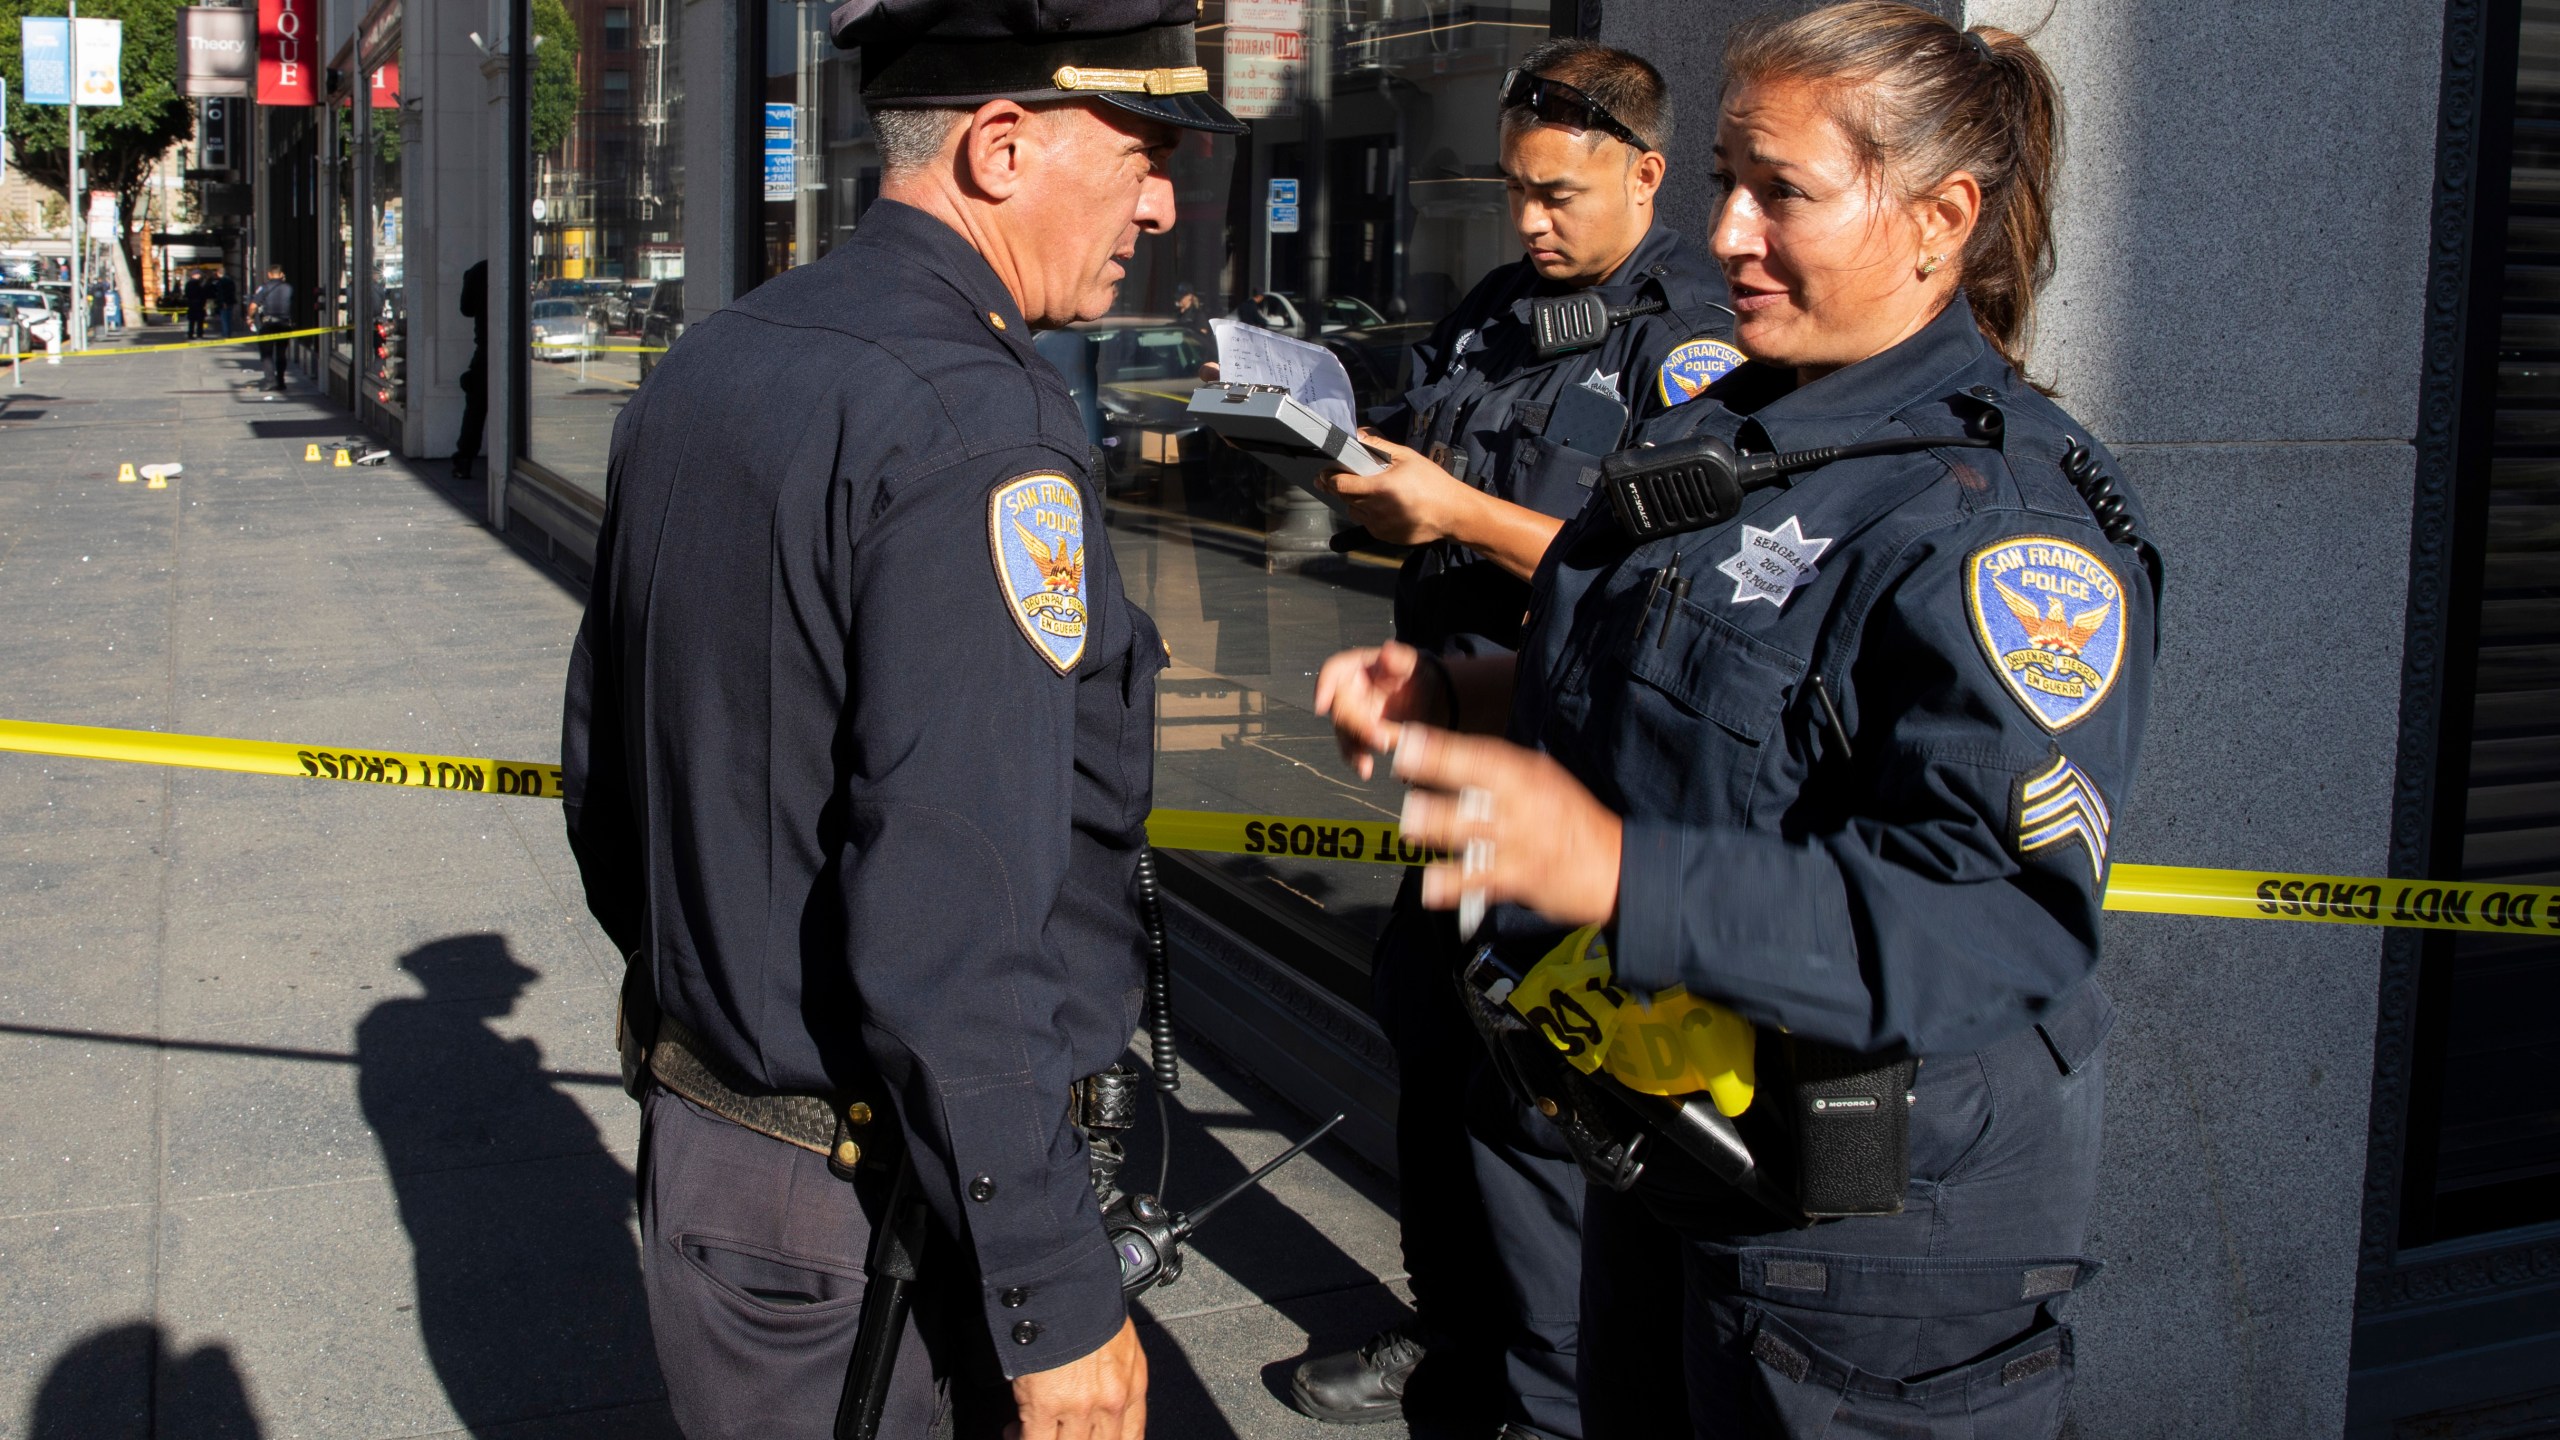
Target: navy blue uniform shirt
pixel 1484 405
pixel 1926 876
pixel 859 737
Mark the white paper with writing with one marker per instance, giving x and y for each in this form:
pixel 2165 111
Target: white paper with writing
pixel 1251 355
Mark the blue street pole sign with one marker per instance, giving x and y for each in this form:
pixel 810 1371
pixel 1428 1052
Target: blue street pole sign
pixel 781 170
pixel 1283 216
pixel 44 44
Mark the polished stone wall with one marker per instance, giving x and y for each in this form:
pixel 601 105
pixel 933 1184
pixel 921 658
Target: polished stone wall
pixel 2243 235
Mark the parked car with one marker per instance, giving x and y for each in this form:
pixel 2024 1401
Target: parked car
pixel 631 305
pixel 663 323
pixel 563 329
pixel 1372 347
pixel 32 300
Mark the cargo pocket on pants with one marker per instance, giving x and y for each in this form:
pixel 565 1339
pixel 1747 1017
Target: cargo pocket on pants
pixel 2015 1392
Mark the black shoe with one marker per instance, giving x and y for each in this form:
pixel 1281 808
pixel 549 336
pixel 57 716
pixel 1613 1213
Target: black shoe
pixel 1363 1386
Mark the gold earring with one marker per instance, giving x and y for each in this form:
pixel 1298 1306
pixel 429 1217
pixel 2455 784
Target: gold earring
pixel 1930 265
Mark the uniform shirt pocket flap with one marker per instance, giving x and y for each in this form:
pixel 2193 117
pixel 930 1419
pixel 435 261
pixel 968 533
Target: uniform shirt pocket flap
pixel 1713 669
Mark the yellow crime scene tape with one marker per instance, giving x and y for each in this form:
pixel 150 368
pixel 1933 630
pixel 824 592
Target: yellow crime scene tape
pixel 276 757
pixel 261 339
pixel 2140 889
pixel 541 344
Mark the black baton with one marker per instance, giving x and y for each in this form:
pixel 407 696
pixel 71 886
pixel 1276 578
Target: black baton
pixel 889 1293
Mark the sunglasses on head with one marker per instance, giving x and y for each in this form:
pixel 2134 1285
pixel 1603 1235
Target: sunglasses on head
pixel 1557 103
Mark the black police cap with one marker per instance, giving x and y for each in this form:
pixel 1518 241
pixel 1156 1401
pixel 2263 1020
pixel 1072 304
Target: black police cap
pixel 1135 54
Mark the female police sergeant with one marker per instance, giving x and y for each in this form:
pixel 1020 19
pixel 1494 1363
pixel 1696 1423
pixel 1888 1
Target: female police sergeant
pixel 1845 763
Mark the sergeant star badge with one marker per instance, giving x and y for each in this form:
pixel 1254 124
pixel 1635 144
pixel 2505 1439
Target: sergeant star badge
pixel 2051 617
pixel 1772 563
pixel 1693 366
pixel 1599 384
pixel 1035 526
pixel 2058 805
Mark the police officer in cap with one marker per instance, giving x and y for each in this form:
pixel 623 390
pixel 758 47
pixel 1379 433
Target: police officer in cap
pixel 1799 802
pixel 1500 443
pixel 858 749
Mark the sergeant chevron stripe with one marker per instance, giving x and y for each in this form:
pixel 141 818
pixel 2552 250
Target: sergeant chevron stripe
pixel 2060 804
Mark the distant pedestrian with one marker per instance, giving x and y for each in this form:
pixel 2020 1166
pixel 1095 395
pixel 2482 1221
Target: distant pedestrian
pixel 270 310
pixel 475 378
pixel 225 294
pixel 195 298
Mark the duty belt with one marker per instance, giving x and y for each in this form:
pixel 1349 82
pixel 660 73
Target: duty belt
pixel 825 1125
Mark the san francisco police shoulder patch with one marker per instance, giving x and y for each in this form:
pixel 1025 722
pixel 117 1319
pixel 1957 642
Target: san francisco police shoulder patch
pixel 1692 366
pixel 2059 804
pixel 2050 616
pixel 1035 526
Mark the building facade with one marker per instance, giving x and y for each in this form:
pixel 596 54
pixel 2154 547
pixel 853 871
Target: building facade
pixel 2306 293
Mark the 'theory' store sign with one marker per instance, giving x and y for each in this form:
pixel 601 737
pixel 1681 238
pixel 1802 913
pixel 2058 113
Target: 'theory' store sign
pixel 287 31
pixel 215 56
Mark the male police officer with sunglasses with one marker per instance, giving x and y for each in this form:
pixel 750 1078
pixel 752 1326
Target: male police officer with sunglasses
pixel 1491 1201
pixel 857 751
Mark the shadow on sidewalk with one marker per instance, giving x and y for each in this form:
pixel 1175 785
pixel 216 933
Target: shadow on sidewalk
pixel 128 1380
pixel 528 1276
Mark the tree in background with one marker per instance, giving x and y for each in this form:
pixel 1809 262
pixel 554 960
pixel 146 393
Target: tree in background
pixel 555 75
pixel 119 143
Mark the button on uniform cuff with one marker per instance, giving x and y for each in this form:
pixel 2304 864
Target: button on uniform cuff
pixel 1043 1322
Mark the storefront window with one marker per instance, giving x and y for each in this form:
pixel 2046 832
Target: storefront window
pixel 338 305
pixel 607 281
pixel 820 164
pixel 385 327
pixel 1383 115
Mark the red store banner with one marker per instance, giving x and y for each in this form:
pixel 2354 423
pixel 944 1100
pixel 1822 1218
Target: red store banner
pixel 288 32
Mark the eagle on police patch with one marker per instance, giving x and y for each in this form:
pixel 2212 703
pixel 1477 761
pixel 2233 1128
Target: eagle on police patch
pixel 2049 628
pixel 1061 565
pixel 2050 617
pixel 1035 529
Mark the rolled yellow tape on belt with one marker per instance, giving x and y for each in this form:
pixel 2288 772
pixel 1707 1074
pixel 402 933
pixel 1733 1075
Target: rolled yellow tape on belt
pixel 1676 1045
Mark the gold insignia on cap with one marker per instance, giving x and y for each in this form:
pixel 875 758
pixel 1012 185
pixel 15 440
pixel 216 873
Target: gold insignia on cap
pixel 1182 80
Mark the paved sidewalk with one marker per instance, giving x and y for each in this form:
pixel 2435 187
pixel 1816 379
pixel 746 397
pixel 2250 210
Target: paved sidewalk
pixel 313 1127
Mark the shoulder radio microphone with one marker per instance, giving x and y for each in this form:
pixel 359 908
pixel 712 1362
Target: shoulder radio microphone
pixel 1696 483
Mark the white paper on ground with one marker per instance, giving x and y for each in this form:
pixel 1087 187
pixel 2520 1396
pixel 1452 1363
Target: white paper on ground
pixel 1251 355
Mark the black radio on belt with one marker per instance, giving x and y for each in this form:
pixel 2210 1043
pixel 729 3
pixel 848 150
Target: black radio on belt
pixel 1658 490
pixel 1852 1121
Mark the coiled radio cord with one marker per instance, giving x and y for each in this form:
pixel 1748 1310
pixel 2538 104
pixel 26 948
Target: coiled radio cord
pixel 1162 1061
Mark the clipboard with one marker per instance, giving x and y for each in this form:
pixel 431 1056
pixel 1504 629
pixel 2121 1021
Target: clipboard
pixel 1268 423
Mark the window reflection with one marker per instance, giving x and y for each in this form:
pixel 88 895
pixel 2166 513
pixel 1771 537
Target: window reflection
pixel 607 281
pixel 1383 114
pixel 385 313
